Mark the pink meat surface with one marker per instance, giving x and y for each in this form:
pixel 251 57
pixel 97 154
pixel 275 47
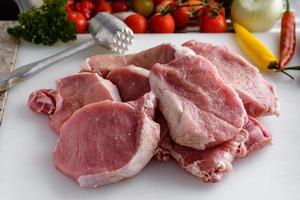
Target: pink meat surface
pixel 201 110
pixel 164 53
pixel 79 90
pixel 256 93
pixel 210 165
pixel 44 101
pixel 259 136
pixel 132 81
pixel 113 142
pixel 73 92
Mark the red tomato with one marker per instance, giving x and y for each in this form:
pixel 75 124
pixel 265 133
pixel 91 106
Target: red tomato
pixel 137 23
pixel 86 8
pixel 69 6
pixel 181 16
pixel 159 23
pixel 206 10
pixel 70 2
pixel 215 24
pixel 156 2
pixel 79 20
pixel 119 6
pixel 103 6
pixel 194 5
pixel 164 4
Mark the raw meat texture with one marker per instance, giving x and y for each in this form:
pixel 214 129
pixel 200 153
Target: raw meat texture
pixel 44 101
pixel 77 91
pixel 211 164
pixel 113 142
pixel 103 140
pixel 147 104
pixel 132 81
pixel 256 93
pixel 164 53
pixel 201 110
pixel 259 136
pixel 165 144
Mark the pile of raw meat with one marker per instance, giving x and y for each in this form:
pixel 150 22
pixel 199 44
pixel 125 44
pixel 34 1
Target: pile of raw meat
pixel 195 103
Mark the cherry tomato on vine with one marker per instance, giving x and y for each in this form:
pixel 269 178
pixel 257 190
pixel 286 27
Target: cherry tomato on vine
pixel 69 6
pixel 206 10
pixel 103 6
pixel 137 23
pixel 143 7
pixel 159 23
pixel 181 17
pixel 215 24
pixel 79 20
pixel 164 4
pixel 119 6
pixel 156 2
pixel 86 8
pixel 194 5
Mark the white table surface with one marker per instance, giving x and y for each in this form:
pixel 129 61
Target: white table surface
pixel 26 142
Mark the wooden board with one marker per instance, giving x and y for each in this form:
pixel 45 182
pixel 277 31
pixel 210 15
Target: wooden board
pixel 8 51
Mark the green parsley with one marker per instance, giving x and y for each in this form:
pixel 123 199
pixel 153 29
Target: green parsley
pixel 46 25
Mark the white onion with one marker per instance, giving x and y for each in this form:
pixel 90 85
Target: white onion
pixel 257 15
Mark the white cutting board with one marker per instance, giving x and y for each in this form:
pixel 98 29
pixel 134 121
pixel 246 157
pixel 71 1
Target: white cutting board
pixel 26 142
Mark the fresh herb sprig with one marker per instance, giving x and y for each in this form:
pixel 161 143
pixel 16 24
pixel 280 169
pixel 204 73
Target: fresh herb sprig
pixel 46 25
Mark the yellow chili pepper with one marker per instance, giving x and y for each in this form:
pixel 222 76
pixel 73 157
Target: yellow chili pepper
pixel 263 57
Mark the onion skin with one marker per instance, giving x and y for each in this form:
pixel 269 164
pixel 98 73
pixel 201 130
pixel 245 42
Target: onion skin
pixel 257 15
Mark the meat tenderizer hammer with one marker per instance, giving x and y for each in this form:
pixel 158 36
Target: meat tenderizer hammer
pixel 107 31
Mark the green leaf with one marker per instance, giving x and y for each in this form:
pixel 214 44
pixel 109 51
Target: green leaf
pixel 46 25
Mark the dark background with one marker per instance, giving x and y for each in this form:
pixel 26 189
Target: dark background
pixel 8 10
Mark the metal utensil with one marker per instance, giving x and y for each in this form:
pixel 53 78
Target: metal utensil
pixel 25 5
pixel 107 31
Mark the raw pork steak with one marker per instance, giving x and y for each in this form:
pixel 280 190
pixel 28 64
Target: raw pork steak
pixel 259 136
pixel 256 93
pixel 73 92
pixel 164 53
pixel 132 81
pixel 44 101
pixel 211 164
pixel 113 142
pixel 201 110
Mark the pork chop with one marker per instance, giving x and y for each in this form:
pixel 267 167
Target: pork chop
pixel 256 93
pixel 210 165
pixel 72 93
pixel 113 142
pixel 259 136
pixel 163 53
pixel 200 109
pixel 44 101
pixel 132 81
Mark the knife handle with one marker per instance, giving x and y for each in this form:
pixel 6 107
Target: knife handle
pixel 20 74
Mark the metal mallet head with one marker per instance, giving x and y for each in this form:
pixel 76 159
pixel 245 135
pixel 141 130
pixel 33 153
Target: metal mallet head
pixel 111 32
pixel 107 31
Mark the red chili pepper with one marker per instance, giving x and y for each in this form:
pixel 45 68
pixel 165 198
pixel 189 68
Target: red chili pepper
pixel 287 37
